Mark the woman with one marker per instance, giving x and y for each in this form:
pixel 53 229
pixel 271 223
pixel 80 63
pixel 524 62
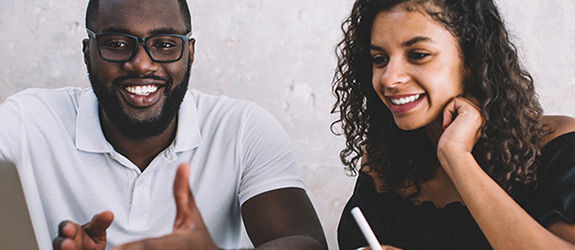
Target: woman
pixel 445 129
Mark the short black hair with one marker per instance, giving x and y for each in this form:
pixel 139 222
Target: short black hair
pixel 93 5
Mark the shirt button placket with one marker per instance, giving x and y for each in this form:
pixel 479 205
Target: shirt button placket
pixel 139 211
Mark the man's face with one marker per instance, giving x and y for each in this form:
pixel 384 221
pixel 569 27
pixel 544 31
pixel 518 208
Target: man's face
pixel 139 97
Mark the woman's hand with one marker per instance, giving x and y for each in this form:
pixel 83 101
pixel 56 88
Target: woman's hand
pixel 462 124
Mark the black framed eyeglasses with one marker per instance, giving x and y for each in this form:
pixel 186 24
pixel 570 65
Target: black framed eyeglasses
pixel 118 47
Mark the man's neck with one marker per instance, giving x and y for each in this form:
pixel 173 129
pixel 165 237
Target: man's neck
pixel 141 152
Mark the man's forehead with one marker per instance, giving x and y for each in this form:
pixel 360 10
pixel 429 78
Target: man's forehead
pixel 139 15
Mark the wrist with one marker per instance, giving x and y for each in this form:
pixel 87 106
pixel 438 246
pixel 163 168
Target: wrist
pixel 447 152
pixel 451 158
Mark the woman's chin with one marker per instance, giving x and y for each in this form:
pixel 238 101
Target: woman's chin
pixel 408 126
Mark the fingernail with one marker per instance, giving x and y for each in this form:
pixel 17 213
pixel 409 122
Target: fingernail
pixel 361 248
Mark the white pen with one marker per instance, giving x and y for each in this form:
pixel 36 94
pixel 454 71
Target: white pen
pixel 365 229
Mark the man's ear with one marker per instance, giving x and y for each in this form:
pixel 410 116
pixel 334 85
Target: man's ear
pixel 192 49
pixel 86 49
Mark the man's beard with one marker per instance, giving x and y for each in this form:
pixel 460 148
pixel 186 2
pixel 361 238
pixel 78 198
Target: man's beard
pixel 109 104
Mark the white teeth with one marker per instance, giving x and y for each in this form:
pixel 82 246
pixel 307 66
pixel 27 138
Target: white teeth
pixel 405 100
pixel 142 90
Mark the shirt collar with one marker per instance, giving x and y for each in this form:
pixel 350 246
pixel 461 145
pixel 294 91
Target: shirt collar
pixel 90 138
pixel 188 135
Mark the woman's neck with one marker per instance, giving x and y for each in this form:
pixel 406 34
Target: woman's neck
pixel 434 130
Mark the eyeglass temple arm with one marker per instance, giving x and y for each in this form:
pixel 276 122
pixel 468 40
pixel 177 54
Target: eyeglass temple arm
pixel 91 33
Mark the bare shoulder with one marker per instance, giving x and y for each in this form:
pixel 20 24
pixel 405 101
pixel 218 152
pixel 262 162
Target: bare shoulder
pixel 558 125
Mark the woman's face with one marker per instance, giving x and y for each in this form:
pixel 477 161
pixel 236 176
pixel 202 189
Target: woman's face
pixel 417 66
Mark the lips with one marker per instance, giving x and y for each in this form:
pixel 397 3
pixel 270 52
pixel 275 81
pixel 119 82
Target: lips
pixel 403 103
pixel 404 100
pixel 145 90
pixel 141 93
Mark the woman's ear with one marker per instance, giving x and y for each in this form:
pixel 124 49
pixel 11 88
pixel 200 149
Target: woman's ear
pixel 470 85
pixel 472 91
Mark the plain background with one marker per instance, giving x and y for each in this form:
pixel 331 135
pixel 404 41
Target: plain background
pixel 279 54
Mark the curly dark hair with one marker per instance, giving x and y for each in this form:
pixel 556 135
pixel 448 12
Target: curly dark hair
pixel 511 139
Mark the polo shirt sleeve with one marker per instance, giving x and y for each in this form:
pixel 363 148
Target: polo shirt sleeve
pixel 10 131
pixel 268 158
pixel 16 115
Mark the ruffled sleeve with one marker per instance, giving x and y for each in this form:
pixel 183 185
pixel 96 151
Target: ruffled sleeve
pixel 555 194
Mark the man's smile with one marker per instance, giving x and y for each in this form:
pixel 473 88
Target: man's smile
pixel 141 92
pixel 142 96
pixel 144 90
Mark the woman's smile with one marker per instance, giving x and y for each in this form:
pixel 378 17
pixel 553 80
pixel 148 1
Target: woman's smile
pixel 404 103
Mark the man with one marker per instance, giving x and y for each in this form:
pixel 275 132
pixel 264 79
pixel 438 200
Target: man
pixel 115 150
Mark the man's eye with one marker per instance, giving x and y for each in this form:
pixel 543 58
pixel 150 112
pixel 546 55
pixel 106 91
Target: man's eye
pixel 115 45
pixel 165 45
pixel 417 55
pixel 379 61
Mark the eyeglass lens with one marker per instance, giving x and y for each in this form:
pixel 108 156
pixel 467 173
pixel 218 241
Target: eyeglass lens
pixel 160 48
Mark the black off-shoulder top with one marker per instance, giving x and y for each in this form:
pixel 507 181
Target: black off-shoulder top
pixel 399 223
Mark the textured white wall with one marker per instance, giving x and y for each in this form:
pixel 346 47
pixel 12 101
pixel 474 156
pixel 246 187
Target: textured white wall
pixel 278 54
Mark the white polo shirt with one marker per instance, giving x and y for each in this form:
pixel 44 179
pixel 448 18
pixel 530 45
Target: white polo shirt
pixel 70 172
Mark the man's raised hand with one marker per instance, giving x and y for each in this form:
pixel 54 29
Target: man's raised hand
pixel 90 236
pixel 190 231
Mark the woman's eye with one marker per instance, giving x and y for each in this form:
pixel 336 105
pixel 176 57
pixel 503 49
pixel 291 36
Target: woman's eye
pixel 379 61
pixel 418 55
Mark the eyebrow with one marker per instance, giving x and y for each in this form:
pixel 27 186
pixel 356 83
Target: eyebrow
pixel 153 32
pixel 415 40
pixel 408 43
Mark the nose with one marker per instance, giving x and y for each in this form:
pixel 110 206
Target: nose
pixel 141 63
pixel 394 73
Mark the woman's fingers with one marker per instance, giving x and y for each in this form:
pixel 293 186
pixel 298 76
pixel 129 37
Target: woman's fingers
pixel 384 247
pixel 455 106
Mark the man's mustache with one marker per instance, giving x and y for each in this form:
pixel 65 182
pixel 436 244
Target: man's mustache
pixel 119 80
